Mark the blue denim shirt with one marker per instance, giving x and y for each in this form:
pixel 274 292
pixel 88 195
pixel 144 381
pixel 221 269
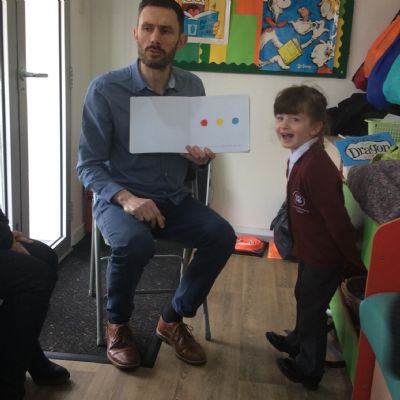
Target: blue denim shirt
pixel 105 165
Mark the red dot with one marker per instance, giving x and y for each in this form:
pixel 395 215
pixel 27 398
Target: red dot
pixel 204 122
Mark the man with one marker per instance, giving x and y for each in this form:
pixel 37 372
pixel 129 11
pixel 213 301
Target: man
pixel 28 273
pixel 143 195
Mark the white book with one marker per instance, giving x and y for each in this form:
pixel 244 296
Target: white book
pixel 167 124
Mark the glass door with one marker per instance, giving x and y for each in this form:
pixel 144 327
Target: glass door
pixel 39 173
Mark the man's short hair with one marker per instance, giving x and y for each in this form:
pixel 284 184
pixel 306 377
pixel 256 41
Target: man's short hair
pixel 172 4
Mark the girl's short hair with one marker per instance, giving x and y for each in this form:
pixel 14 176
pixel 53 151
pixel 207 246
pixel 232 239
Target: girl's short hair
pixel 303 99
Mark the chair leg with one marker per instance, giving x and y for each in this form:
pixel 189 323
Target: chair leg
pixel 92 289
pixel 99 299
pixel 207 330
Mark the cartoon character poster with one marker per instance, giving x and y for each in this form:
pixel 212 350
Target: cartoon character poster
pixel 206 21
pixel 298 35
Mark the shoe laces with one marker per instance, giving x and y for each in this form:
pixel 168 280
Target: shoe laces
pixel 121 337
pixel 183 331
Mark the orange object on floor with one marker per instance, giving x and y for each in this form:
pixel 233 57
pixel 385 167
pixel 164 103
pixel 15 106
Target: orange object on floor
pixel 249 245
pixel 273 251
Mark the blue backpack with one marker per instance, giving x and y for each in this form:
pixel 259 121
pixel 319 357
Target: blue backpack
pixel 391 86
pixel 375 95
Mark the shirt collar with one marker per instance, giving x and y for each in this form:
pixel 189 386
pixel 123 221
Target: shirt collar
pixel 295 155
pixel 140 84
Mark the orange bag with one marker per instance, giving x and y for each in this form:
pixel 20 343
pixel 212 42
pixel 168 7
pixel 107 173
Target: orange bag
pixel 250 245
pixel 381 43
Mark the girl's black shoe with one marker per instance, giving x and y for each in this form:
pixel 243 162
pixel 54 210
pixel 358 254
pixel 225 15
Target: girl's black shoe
pixel 49 374
pixel 281 344
pixel 289 369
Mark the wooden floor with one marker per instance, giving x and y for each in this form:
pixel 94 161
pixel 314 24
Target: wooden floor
pixel 252 295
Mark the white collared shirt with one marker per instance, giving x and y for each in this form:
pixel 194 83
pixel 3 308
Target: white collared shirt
pixel 296 154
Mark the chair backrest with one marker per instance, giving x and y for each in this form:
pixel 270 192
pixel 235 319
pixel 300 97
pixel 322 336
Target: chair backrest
pixel 199 179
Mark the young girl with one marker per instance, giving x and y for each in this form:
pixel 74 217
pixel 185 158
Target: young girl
pixel 324 239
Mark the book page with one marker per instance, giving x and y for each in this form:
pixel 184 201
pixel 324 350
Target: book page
pixel 220 123
pixel 167 124
pixel 157 124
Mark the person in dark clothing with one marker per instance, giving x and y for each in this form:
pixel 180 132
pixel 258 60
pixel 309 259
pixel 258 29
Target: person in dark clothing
pixel 28 273
pixel 324 240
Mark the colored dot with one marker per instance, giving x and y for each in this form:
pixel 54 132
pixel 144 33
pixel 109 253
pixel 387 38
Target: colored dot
pixel 203 122
pixel 220 121
pixel 235 121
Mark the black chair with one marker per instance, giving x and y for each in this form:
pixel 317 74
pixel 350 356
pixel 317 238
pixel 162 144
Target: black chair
pixel 95 285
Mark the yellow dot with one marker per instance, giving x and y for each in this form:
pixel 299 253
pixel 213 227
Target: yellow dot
pixel 220 121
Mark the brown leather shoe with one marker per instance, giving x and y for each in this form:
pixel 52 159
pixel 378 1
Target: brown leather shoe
pixel 121 348
pixel 179 335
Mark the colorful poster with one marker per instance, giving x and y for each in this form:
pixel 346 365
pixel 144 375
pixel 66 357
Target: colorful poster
pixel 206 21
pixel 289 37
pixel 299 36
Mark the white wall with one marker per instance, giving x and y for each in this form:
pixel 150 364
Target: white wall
pixel 247 189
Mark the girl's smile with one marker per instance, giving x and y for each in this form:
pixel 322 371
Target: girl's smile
pixel 295 129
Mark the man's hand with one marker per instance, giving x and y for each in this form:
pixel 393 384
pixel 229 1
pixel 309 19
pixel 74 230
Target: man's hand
pixel 199 156
pixel 143 209
pixel 17 245
pixel 20 237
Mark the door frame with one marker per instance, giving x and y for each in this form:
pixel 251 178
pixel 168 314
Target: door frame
pixel 17 187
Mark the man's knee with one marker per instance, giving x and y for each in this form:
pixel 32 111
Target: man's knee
pixel 135 249
pixel 222 233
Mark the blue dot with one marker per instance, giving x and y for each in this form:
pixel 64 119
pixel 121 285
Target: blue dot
pixel 235 121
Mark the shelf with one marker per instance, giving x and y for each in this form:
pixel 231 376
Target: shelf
pixel 346 332
pixel 379 251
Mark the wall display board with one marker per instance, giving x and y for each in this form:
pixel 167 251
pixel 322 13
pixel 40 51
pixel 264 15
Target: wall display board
pixel 289 37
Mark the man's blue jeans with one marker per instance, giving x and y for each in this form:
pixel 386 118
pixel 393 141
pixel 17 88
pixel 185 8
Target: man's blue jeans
pixel 190 223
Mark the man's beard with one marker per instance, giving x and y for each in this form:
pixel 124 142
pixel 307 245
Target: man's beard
pixel 160 63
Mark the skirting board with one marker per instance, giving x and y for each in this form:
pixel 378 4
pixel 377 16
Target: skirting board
pixel 263 234
pixel 78 234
